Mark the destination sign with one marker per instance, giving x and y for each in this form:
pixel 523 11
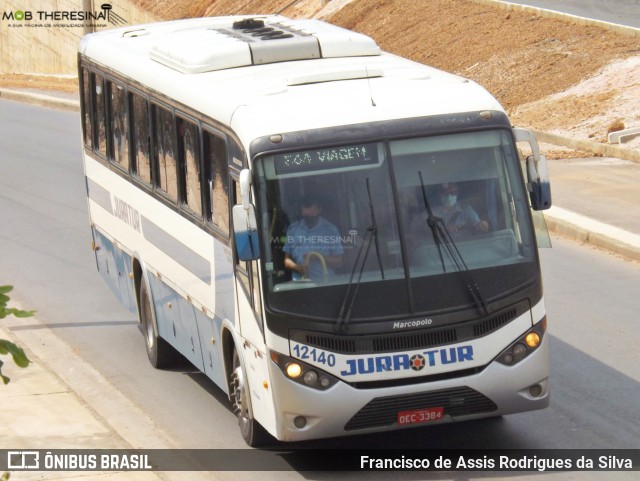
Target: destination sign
pixel 329 158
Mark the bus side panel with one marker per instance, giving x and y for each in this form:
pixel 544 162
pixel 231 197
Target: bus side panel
pixel 255 356
pixel 112 265
pixel 262 400
pixel 124 263
pixel 211 345
pixel 106 263
pixel 176 321
pixel 223 282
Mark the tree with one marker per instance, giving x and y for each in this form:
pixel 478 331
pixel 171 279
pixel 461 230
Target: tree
pixel 7 347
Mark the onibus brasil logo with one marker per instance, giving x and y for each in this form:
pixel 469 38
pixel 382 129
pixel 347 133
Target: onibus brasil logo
pixel 105 13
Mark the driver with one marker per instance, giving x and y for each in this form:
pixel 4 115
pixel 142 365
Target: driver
pixel 314 247
pixel 459 218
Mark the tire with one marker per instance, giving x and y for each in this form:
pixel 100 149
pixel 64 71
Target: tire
pixel 160 353
pixel 252 432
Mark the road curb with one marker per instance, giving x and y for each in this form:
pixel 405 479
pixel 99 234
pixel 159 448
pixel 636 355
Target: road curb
pixel 40 99
pixel 605 150
pixel 589 231
pixel 543 12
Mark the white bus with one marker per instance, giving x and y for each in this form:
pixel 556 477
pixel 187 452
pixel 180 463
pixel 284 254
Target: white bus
pixel 340 238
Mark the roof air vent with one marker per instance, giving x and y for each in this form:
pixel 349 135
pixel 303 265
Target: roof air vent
pixel 248 24
pixel 295 44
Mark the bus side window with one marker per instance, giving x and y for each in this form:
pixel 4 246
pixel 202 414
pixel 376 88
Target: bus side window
pixel 99 112
pixel 141 138
pixel 190 165
pixel 119 122
pixel 86 109
pixel 165 152
pixel 215 158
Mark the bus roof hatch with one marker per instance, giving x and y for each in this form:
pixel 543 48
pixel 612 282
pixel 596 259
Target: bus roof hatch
pixel 257 41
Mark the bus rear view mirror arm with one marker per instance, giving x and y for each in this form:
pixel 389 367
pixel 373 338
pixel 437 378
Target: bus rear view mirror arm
pixel 245 188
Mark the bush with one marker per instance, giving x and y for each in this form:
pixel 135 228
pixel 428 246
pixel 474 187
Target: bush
pixel 7 347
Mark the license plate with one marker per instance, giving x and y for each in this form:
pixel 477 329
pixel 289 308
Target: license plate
pixel 417 416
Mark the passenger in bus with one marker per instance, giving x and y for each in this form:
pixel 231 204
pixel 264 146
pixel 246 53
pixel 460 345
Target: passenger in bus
pixel 460 219
pixel 314 246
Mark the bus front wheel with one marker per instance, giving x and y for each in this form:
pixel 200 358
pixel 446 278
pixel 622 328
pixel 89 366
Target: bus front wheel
pixel 252 432
pixel 159 352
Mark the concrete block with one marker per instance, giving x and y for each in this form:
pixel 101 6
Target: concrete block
pixel 622 136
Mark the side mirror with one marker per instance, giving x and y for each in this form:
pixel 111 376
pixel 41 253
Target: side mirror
pixel 246 233
pixel 245 228
pixel 538 183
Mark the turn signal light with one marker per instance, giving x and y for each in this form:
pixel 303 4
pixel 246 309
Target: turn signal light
pixel 532 340
pixel 523 346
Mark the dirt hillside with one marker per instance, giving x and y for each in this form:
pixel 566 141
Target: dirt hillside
pixel 549 74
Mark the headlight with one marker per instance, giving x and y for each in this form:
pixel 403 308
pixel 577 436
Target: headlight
pixel 293 370
pixel 303 373
pixel 533 340
pixel 523 346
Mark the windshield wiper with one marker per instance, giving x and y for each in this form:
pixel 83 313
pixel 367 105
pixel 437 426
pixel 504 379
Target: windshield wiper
pixel 432 221
pixel 344 315
pixel 374 230
pixel 442 236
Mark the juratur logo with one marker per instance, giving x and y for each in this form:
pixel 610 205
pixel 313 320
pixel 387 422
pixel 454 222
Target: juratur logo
pixel 417 362
pixel 105 13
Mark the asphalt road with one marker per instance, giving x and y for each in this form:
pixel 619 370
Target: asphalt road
pixel 623 12
pixel 591 296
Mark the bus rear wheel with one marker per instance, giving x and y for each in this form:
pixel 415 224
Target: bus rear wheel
pixel 159 352
pixel 252 432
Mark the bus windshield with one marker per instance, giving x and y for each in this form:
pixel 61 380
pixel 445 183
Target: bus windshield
pixel 362 216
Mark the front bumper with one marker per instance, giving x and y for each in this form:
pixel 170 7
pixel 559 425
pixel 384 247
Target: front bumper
pixel 344 410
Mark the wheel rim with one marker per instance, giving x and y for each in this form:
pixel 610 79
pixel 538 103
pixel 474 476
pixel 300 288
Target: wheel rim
pixel 240 405
pixel 148 322
pixel 150 334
